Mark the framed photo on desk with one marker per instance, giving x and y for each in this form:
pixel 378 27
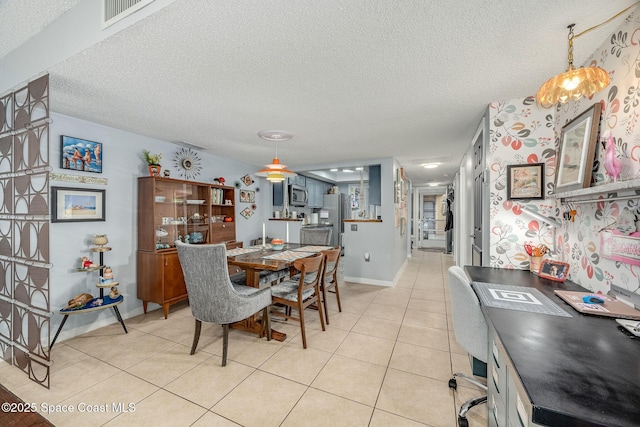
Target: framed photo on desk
pixel 554 270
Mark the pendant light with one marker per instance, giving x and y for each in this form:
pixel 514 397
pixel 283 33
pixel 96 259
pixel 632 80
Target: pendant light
pixel 573 84
pixel 275 172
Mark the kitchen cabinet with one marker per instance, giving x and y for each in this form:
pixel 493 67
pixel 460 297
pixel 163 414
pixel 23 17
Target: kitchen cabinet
pixel 375 186
pixel 278 193
pixel 169 210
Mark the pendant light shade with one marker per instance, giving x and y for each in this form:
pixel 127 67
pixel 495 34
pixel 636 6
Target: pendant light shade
pixel 573 84
pixel 275 172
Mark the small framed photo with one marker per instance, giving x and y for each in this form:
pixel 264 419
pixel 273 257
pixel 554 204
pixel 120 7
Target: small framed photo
pixel 525 181
pixel 554 270
pixel 576 153
pixel 77 204
pixel 80 154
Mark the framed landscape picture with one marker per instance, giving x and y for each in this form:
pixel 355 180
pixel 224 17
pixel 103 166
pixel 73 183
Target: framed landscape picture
pixel 577 150
pixel 80 154
pixel 77 204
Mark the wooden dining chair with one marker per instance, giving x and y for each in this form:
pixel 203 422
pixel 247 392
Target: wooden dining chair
pixel 330 278
pixel 301 293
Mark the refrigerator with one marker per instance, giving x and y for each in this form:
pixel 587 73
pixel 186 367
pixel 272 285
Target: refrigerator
pixel 334 207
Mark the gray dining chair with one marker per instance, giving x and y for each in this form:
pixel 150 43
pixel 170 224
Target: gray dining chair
pixel 471 331
pixel 316 236
pixel 212 296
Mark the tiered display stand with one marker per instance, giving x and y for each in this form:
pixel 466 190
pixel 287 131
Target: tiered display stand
pixel 96 304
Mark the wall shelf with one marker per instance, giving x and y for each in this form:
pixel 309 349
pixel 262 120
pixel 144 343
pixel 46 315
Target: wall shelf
pixel 622 189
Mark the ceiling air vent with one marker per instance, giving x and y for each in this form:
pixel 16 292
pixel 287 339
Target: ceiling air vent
pixel 115 10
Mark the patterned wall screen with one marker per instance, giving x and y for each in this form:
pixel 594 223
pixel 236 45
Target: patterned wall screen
pixel 24 229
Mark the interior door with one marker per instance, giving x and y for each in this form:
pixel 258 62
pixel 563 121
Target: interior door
pixel 478 205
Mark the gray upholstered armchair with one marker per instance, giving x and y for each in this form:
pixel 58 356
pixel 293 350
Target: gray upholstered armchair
pixel 213 298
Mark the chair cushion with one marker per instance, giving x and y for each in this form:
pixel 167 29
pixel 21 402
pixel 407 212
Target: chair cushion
pixel 244 290
pixel 289 290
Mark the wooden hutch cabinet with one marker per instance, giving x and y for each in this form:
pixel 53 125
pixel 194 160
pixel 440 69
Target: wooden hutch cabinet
pixel 169 210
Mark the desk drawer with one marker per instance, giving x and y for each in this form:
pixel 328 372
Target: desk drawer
pixel 497 414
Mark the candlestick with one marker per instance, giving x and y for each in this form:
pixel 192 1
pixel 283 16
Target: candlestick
pixel 264 236
pixel 287 240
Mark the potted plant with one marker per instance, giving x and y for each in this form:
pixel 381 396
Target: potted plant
pixel 153 160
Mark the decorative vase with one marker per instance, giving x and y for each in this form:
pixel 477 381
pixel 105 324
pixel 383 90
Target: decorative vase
pixel 534 264
pixel 154 170
pixel 100 240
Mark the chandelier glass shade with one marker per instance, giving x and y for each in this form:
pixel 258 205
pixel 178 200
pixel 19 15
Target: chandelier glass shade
pixel 573 84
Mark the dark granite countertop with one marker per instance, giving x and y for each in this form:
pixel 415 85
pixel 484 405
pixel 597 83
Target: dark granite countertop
pixel 578 371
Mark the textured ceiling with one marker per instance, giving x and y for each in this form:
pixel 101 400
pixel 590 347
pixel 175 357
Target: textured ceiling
pixel 351 80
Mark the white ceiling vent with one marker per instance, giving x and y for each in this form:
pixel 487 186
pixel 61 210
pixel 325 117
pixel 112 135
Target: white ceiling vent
pixel 115 10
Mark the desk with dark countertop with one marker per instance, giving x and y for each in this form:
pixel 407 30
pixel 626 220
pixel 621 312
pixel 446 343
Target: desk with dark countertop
pixel 578 371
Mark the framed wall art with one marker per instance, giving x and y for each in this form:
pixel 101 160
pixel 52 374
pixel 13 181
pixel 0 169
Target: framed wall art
pixel 577 149
pixel 80 154
pixel 77 204
pixel 247 196
pixel 525 181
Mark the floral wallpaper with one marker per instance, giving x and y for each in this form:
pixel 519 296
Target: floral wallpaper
pixel 521 132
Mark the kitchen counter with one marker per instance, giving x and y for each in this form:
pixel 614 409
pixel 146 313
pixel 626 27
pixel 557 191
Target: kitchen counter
pixel 578 371
pixel 286 219
pixel 361 220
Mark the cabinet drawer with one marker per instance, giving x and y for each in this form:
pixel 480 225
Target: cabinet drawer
pixel 223 232
pixel 497 414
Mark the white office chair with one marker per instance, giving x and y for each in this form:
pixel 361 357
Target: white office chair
pixel 470 328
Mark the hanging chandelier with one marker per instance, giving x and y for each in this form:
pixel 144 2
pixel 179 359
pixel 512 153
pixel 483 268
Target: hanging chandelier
pixel 573 84
pixel 275 172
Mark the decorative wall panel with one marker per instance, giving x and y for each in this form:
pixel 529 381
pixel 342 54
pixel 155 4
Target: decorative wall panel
pixel 24 230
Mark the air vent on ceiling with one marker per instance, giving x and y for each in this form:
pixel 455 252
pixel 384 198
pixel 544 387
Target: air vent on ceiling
pixel 115 10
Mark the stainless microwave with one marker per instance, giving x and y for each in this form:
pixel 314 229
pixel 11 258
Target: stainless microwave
pixel 298 196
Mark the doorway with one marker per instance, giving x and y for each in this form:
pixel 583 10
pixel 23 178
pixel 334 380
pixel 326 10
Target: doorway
pixel 431 221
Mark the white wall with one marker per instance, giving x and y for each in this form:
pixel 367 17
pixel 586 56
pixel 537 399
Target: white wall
pixel 387 248
pixel 122 165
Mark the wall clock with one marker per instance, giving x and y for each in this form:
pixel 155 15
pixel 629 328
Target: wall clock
pixel 187 162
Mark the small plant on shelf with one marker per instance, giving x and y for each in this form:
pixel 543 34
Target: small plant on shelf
pixel 153 160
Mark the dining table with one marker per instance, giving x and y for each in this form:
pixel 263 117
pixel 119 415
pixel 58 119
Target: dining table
pixel 254 259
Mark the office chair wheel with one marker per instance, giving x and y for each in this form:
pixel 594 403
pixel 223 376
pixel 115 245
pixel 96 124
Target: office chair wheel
pixel 453 384
pixel 462 422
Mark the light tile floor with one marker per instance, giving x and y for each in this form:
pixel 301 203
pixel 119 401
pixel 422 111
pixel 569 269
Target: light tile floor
pixel 385 360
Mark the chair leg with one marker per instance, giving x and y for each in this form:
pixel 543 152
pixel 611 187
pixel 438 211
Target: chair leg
pixel 324 303
pixel 338 297
pixel 225 343
pixel 304 335
pixel 196 336
pixel 266 322
pixel 320 309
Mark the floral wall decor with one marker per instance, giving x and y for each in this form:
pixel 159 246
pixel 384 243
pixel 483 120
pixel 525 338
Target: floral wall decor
pixel 520 133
